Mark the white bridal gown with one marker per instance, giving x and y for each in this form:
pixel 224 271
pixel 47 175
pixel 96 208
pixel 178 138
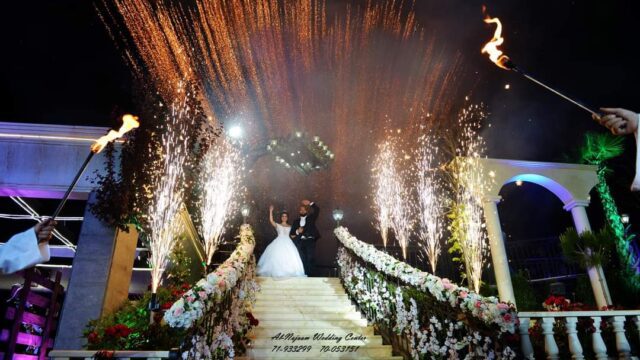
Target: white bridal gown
pixel 281 257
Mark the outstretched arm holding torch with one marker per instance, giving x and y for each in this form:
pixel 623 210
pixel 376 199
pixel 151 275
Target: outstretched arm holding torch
pixel 622 122
pixel 618 121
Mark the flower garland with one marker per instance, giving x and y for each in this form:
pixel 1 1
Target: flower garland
pixel 208 291
pixel 489 310
pixel 393 305
pixel 218 308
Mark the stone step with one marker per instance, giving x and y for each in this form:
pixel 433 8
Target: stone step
pixel 294 282
pixel 266 341
pixel 307 315
pixel 300 358
pixel 301 303
pixel 277 308
pixel 268 332
pixel 312 324
pixel 299 280
pixel 312 351
pixel 311 291
pixel 301 297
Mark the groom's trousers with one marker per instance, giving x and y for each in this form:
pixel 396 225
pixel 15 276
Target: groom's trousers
pixel 307 250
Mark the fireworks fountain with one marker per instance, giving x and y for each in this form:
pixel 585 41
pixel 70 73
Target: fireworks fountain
pixel 429 205
pixel 470 182
pixel 391 196
pixel 288 66
pixel 383 174
pixel 221 185
pixel 168 191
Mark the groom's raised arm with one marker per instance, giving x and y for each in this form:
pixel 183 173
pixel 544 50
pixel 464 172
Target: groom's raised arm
pixel 316 211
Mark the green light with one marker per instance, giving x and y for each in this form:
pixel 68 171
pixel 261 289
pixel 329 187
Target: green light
pixel 599 148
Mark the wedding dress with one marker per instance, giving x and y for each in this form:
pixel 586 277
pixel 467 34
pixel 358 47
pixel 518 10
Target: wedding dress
pixel 281 257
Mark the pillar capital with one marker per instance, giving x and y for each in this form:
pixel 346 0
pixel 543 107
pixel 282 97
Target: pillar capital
pixel 575 203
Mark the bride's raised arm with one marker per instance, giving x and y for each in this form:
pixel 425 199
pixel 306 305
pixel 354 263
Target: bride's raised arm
pixel 273 223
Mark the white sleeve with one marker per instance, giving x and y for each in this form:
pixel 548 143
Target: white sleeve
pixel 635 186
pixel 22 251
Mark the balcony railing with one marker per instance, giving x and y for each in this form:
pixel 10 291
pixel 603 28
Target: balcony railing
pixel 583 334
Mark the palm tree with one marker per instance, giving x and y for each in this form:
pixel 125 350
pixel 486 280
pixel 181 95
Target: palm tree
pixel 598 148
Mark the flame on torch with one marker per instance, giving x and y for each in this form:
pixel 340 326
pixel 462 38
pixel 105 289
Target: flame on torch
pixel 129 122
pixel 496 55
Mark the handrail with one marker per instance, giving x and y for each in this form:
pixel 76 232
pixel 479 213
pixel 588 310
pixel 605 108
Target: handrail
pixel 218 307
pixel 487 309
pixel 560 314
pixel 578 333
pixel 192 306
pixel 424 315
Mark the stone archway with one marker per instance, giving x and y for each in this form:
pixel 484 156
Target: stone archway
pixel 571 183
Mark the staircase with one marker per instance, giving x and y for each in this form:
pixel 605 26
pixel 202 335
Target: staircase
pixel 311 318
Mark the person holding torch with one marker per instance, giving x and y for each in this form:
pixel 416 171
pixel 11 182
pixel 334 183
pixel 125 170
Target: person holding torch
pixel 622 122
pixel 27 248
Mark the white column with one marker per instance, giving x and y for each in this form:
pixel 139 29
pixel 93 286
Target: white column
pixel 525 339
pixel 550 345
pixel 599 348
pixel 498 251
pixel 596 275
pixel 572 335
pixel 622 344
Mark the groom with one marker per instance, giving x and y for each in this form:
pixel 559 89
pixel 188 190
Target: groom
pixel 304 234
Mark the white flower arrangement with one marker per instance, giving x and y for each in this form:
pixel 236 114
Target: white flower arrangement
pixel 487 309
pixel 193 305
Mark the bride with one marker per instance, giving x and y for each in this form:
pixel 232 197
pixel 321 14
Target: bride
pixel 281 257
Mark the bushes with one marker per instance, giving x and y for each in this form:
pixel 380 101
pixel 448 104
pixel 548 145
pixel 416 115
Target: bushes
pixel 526 298
pixel 130 328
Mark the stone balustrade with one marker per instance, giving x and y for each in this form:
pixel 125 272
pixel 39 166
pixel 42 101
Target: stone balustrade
pixel 563 325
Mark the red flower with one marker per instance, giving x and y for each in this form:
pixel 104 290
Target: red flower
pixel 110 331
pixel 93 337
pixel 118 331
pixel 166 306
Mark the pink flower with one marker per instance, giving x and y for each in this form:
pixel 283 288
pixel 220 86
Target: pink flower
pixel 178 311
pixel 447 284
pixel 221 284
pixel 502 306
pixel 191 298
pixel 202 294
pixel 507 317
pixel 478 304
pixel 463 294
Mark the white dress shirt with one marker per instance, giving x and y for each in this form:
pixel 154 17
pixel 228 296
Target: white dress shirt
pixel 303 219
pixel 22 251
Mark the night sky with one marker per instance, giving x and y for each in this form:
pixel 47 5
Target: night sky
pixel 59 66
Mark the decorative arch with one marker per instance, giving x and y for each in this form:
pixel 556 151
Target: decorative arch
pixel 553 186
pixel 569 182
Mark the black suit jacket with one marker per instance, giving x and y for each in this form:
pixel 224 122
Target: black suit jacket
pixel 310 229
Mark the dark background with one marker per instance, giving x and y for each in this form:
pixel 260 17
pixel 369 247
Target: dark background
pixel 58 65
